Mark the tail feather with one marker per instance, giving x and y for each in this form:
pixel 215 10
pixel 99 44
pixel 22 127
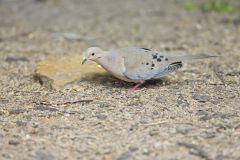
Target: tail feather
pixel 186 58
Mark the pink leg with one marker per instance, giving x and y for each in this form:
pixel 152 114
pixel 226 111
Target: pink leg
pixel 135 87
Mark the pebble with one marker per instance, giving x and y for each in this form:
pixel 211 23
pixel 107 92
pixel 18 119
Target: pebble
pixel 13 142
pixel 16 111
pixel 101 116
pixel 40 155
pixel 157 144
pixel 125 155
pixel 202 98
pixel 208 134
pixel 132 148
pixel 82 117
pixel 146 152
pixel 103 104
pixel 182 102
pixel 153 132
pixel 160 99
pixel 16 59
pixel 21 123
pixel 45 108
pixel 7 155
pixel 204 116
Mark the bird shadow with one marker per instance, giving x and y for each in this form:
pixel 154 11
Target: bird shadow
pixel 110 81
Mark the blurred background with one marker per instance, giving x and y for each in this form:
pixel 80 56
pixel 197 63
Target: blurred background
pixel 194 116
pixel 68 27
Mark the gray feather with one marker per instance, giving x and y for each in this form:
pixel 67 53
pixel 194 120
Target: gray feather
pixel 171 68
pixel 187 58
pixel 144 64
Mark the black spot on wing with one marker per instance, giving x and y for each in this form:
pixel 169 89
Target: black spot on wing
pixel 155 56
pixel 152 66
pixel 147 63
pixel 159 59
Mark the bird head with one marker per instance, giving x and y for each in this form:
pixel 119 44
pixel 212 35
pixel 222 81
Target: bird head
pixel 92 53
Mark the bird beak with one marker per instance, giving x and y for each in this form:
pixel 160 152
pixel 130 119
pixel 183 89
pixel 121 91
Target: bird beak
pixel 84 60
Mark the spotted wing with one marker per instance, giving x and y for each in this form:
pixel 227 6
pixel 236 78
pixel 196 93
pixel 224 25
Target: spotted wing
pixel 142 63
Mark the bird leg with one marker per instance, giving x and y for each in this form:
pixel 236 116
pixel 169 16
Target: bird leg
pixel 135 87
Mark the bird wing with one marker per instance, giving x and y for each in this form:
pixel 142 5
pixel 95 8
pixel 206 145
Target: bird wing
pixel 169 69
pixel 145 64
pixel 142 63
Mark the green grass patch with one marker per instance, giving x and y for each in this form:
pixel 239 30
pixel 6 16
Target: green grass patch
pixel 190 6
pixel 221 6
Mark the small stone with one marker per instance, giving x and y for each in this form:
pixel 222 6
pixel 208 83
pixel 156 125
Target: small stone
pixel 103 104
pixel 66 115
pixel 202 115
pixel 101 116
pixel 13 142
pixel 155 112
pixel 35 125
pixel 58 72
pixel 146 152
pixel 16 111
pixel 220 157
pixel 157 145
pixel 202 98
pixel 132 149
pixel 40 0
pixel 70 111
pixel 21 123
pixel 125 155
pixel 11 59
pixel 160 99
pixel 7 156
pixel 183 129
pixel 82 117
pixel 33 130
pixel 153 132
pixel 45 108
pixel 133 127
pixel 40 155
pixel 208 134
pixel 182 102
pixel 195 150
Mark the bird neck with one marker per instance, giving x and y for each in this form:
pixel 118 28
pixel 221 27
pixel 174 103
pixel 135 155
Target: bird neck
pixel 105 60
pixel 101 61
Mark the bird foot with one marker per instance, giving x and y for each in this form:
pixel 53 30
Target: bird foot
pixel 136 87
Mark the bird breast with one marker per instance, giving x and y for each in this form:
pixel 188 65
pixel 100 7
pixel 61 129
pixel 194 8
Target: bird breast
pixel 114 65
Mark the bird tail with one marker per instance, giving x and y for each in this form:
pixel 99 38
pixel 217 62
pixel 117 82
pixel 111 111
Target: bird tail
pixel 187 58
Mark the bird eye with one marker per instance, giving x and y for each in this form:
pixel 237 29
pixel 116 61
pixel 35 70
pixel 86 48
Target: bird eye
pixel 93 54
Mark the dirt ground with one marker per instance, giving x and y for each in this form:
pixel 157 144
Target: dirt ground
pixel 187 115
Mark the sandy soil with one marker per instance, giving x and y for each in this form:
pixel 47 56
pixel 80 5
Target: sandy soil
pixel 188 115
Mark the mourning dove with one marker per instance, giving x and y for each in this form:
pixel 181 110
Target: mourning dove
pixel 137 64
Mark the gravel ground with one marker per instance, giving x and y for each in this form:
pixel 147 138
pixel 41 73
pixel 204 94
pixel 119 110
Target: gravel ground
pixel 188 115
